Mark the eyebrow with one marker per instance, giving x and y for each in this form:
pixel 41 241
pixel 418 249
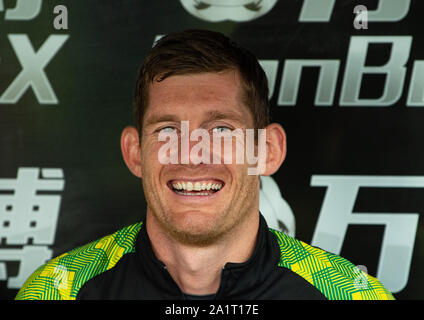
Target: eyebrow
pixel 209 117
pixel 219 115
pixel 160 118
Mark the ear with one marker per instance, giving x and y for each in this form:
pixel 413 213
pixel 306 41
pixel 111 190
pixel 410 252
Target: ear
pixel 130 147
pixel 276 148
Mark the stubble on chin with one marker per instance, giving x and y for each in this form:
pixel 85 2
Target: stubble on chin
pixel 200 234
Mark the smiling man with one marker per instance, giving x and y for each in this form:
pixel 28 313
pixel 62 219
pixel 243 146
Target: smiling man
pixel 203 237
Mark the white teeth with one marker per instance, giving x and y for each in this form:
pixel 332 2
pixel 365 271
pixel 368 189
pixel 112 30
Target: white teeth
pixel 216 186
pixel 189 186
pixel 196 186
pixel 193 194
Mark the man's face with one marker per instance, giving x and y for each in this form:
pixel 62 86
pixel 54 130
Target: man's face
pixel 210 101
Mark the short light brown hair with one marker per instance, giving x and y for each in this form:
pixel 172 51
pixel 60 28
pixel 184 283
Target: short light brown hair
pixel 198 51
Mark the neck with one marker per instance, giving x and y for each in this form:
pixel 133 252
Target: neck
pixel 197 269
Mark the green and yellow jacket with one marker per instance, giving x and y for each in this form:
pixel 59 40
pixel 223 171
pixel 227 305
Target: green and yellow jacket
pixel 123 266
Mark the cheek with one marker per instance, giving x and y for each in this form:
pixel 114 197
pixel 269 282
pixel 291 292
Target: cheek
pixel 149 158
pixel 239 179
pixel 247 183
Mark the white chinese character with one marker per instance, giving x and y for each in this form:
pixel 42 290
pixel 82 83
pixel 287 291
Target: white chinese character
pixel 28 212
pixel 400 228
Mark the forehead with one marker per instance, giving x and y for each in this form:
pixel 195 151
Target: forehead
pixel 189 96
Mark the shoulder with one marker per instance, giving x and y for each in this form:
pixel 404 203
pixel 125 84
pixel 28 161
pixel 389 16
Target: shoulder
pixel 63 276
pixel 336 277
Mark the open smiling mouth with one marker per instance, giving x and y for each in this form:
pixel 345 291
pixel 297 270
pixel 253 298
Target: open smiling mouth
pixel 195 188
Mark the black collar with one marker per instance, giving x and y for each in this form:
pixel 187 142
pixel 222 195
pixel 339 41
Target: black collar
pixel 238 280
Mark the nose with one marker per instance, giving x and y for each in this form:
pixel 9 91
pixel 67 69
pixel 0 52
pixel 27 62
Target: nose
pixel 195 147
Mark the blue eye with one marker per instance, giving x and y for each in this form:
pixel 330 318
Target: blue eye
pixel 168 130
pixel 221 130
